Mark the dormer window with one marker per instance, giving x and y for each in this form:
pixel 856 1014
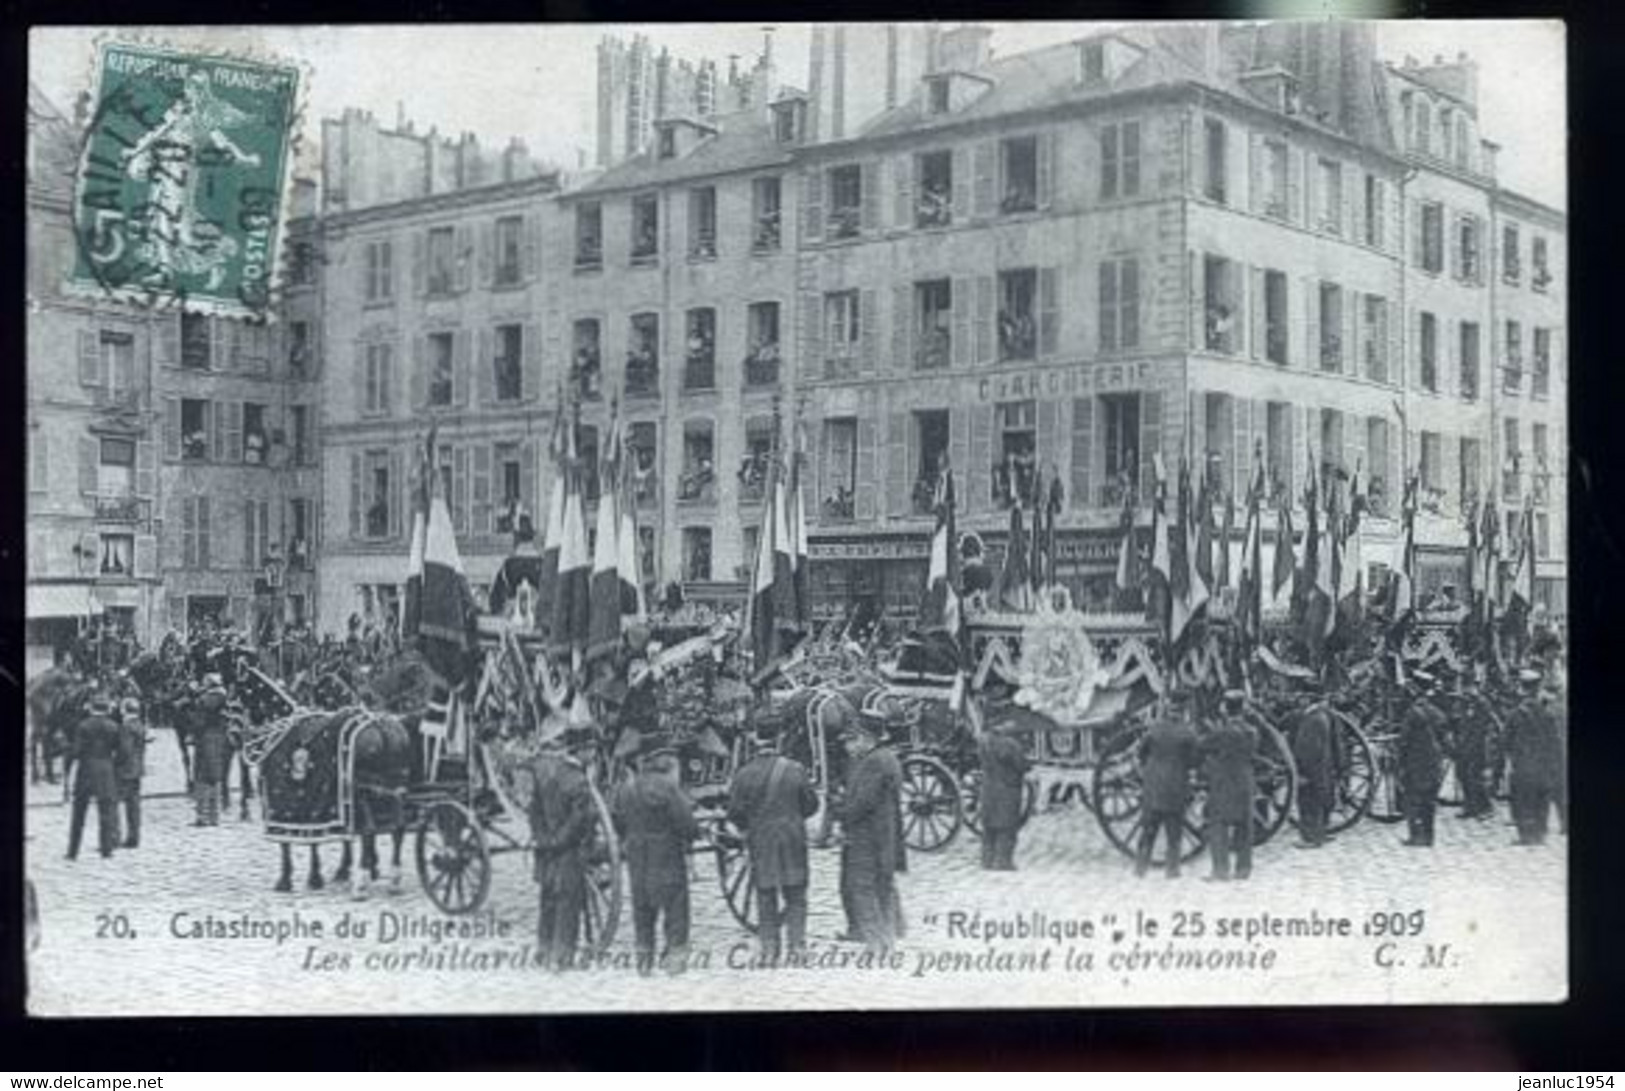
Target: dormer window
pixel 1094 62
pixel 937 95
pixel 668 143
pixel 789 120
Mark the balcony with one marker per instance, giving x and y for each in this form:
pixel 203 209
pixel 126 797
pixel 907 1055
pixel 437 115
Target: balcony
pixel 762 366
pixel 130 510
pixel 1118 494
pixel 127 401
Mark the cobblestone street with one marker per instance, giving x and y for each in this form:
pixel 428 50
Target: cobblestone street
pixel 1501 909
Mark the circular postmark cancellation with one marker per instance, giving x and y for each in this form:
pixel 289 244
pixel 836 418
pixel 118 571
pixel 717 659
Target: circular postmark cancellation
pixel 181 197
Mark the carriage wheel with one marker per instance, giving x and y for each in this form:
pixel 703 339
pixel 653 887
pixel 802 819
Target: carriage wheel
pixel 1387 797
pixel 970 799
pixel 736 879
pixel 602 911
pixel 454 863
pixel 932 812
pixel 1275 778
pixel 1119 796
pixel 1356 777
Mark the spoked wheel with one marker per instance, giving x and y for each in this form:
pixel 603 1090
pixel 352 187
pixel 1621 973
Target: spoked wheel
pixel 1275 780
pixel 1387 797
pixel 1119 795
pixel 454 863
pixel 1356 776
pixel 602 911
pixel 735 877
pixel 932 812
pixel 970 799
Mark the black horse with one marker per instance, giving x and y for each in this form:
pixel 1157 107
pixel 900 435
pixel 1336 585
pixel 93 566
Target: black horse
pixel 56 704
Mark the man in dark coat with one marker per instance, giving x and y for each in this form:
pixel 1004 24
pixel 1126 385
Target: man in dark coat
pixel 561 826
pixel 1421 764
pixel 1473 726
pixel 1312 753
pixel 771 799
pixel 656 822
pixel 1168 754
pixel 869 814
pixel 130 766
pixel 1228 752
pixel 95 750
pixel 1004 779
pixel 212 750
pixel 1536 758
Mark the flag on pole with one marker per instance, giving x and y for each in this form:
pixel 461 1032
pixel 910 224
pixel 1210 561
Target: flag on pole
pixel 1250 575
pixel 1188 591
pixel 628 560
pixel 1226 578
pixel 1403 599
pixel 1521 589
pixel 1286 560
pixel 1014 589
pixel 796 519
pixel 571 603
pixel 1128 551
pixel 1351 567
pixel 446 612
pixel 604 589
pixel 772 600
pixel 1158 600
pixel 940 611
pixel 412 613
pixel 553 531
pixel 1204 533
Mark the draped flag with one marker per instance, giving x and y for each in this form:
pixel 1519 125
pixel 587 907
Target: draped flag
pixel 604 588
pixel 1351 569
pixel 1286 559
pixel 1159 594
pixel 1014 589
pixel 940 611
pixel 796 520
pixel 1188 592
pixel 1128 551
pixel 446 612
pixel 1052 509
pixel 412 614
pixel 628 559
pixel 571 602
pixel 1489 545
pixel 1204 533
pixel 1226 577
pixel 1035 567
pixel 1304 579
pixel 1402 593
pixel 553 532
pixel 1250 577
pixel 1521 588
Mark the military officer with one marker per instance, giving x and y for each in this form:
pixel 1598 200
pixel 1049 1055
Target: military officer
pixel 1228 751
pixel 656 822
pixel 1004 779
pixel 771 799
pixel 561 826
pixel 1535 750
pixel 95 750
pixel 1312 753
pixel 1420 762
pixel 872 849
pixel 1167 754
pixel 130 767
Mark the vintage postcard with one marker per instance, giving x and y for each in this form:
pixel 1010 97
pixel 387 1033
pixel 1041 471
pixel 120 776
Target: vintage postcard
pixel 721 517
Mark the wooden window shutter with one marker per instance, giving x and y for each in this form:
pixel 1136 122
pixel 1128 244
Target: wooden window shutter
pixel 1150 439
pixel 1379 216
pixel 462 349
pixel 902 325
pixel 1255 183
pixel 485 368
pixel 355 495
pixel 1083 449
pixel 1049 309
pixel 963 307
pixel 897 465
pixel 418 381
pixel 205 532
pixel 985 344
pixel 397 487
pixel 865 499
pixel 234 431
pixel 1295 187
pixel 1311 323
pixel 1241 411
pixel 482 489
pixel 962 184
pixel 1354 203
pixel 959 449
pixel 360 380
pixel 487 252
pixel 250 533
pixel 172 428
pixel 869 329
pixel 1046 169
pixel 90 456
pixel 90 359
pixel 463 260
pixel 812 339
pixel 530 245
pixel 984 201
pixel 1453 225
pixel 531 346
pixel 459 489
pixel 1354 447
pixel 146 468
pixel 146 557
pixel 903 184
pixel 1418 246
pixel 420 260
pixel 167 345
pixel 1049 437
pixel 812 204
pixel 979 496
pixel 1257 313
pixel 869 174
pixel 218 331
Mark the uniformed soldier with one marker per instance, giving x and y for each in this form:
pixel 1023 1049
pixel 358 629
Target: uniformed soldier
pixel 1167 754
pixel 656 822
pixel 561 825
pixel 131 765
pixel 212 750
pixel 1004 780
pixel 95 750
pixel 1472 749
pixel 1421 766
pixel 872 848
pixel 1536 757
pixel 1312 753
pixel 1228 752
pixel 771 799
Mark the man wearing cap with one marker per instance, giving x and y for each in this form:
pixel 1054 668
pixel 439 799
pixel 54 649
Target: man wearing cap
pixel 132 753
pixel 656 822
pixel 771 799
pixel 1167 753
pixel 212 750
pixel 1472 724
pixel 95 749
pixel 1420 763
pixel 1228 751
pixel 1004 779
pixel 869 812
pixel 561 826
pixel 1536 759
pixel 1312 754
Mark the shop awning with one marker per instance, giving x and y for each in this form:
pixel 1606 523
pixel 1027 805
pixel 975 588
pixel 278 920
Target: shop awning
pixel 61 600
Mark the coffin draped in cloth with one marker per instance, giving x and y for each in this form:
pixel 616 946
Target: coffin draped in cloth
pixel 307 776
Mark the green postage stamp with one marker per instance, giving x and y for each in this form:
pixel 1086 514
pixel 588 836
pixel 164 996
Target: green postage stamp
pixel 183 180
